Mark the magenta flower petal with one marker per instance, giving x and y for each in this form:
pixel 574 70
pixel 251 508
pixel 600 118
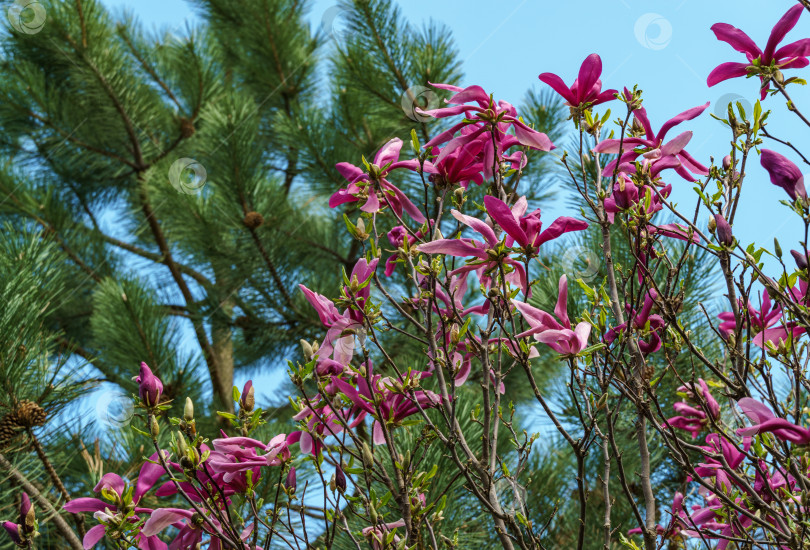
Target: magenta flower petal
pixel 110 481
pixel 561 309
pixel 163 518
pixel 676 145
pixel 559 226
pixel 800 48
pixel 470 93
pixel 479 225
pixel 531 138
pixel 725 71
pixel 86 504
pixel 782 27
pixel 93 536
pixel 558 86
pixel 454 247
pixel 589 73
pixel 388 152
pixel 349 171
pixel 503 216
pixel 736 38
pixel 688 114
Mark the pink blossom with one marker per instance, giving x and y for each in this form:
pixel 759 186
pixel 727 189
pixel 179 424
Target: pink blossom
pixel 586 89
pixel 371 186
pixel 791 56
pixel 557 335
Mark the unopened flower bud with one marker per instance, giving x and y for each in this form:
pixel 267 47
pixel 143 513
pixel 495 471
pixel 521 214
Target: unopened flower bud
pixel 154 427
pixel 306 347
pixel 247 401
pixel 340 479
pixel 724 235
pixel 182 447
pixel 188 410
pixel 150 388
pixel 13 531
pixel 368 456
pixel 800 258
pixel 27 514
pixel 712 225
pixel 290 484
pixel 779 77
pixel 726 162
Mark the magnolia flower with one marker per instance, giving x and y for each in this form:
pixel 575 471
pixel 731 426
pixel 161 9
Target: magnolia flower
pixel 784 173
pixel 586 89
pixel 395 406
pixel 764 420
pixel 791 56
pixel 677 517
pixel 371 186
pixel 113 489
pixel 651 142
pixel 377 534
pixel 525 228
pixel 645 323
pixel 150 388
pixel 693 419
pixel 488 258
pixel 557 335
pixel 486 116
pixel 13 531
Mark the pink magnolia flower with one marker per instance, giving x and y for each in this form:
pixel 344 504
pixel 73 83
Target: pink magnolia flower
pixel 546 329
pixel 399 237
pixel 189 532
pixel 784 173
pixel 150 388
pixel 764 420
pixel 395 406
pixel 651 142
pixel 690 418
pixel 791 56
pixel 13 531
pixel 648 325
pixel 373 189
pixel 376 534
pixel 488 258
pixel 112 487
pixel 484 116
pixel 586 89
pixel 765 322
pixel 525 229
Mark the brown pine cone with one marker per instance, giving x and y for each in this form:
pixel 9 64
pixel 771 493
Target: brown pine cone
pixel 253 220
pixel 9 428
pixel 30 414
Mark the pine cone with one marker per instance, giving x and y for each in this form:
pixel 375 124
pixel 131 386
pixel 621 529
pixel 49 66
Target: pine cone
pixel 186 128
pixel 9 428
pixel 30 414
pixel 253 220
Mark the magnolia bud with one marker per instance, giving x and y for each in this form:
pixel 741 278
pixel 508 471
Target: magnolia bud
pixel 154 427
pixel 188 410
pixel 306 347
pixel 27 515
pixel 712 225
pixel 368 456
pixel 290 484
pixel 150 388
pixel 724 235
pixel 726 162
pixel 247 401
pixel 182 447
pixel 340 479
pixel 13 531
pixel 800 258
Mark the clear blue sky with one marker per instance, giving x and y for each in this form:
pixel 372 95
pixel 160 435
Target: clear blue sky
pixel 665 47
